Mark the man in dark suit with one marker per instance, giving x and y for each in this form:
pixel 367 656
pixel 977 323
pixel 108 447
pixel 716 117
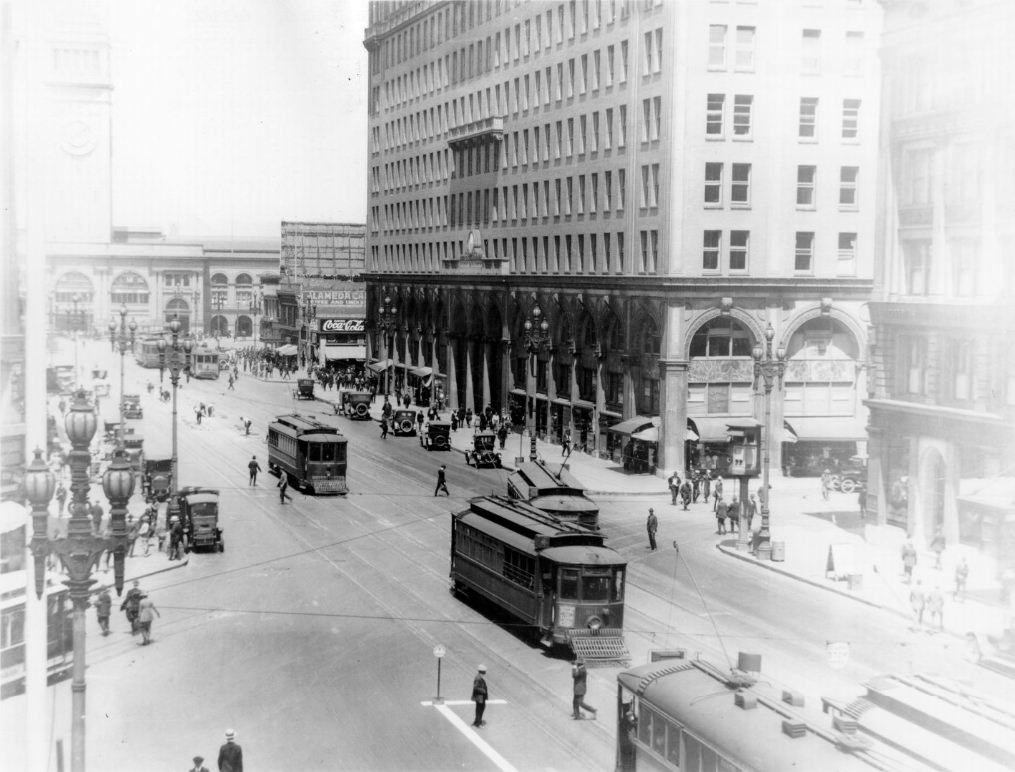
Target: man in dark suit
pixel 230 754
pixel 198 765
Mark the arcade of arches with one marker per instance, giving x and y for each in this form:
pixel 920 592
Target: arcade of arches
pixel 608 359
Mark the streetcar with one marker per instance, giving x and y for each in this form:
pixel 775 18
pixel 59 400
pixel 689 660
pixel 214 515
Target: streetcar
pixel 59 634
pixel 679 714
pixel 204 364
pixel 313 454
pixel 558 577
pixel 558 493
pixel 146 352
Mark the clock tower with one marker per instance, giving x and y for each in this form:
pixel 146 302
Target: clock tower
pixel 78 149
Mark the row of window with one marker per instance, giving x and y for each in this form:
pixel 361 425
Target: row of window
pixel 436 121
pixel 587 134
pixel 579 195
pixel 525 38
pixel 950 370
pixel 737 47
pixel 580 75
pixel 737 249
pixel 956 269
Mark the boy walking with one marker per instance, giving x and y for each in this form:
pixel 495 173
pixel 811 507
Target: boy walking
pixel 442 482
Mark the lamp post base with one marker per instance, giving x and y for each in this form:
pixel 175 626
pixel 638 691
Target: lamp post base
pixel 764 551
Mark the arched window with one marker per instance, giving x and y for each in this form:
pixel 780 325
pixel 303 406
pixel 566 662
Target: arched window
pixel 71 284
pixel 721 338
pixel 129 289
pixel 244 292
pixel 219 291
pixel 820 380
pixel 724 390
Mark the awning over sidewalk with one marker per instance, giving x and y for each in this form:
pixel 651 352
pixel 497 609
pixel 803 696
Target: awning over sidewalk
pixel 380 366
pixel 633 425
pixel 843 428
pixel 288 350
pixel 421 372
pixel 358 353
pixel 712 429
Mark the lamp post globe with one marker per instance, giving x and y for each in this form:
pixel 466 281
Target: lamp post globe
pixel 39 483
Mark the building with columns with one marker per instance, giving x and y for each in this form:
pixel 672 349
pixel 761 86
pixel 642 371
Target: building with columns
pixel 663 180
pixel 94 268
pixel 942 428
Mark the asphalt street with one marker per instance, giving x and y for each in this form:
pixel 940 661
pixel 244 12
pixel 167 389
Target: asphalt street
pixel 312 635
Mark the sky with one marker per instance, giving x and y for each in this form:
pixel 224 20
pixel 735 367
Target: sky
pixel 230 116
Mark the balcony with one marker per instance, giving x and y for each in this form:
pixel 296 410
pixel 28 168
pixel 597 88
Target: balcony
pixel 477 131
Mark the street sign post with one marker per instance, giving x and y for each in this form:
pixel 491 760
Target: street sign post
pixel 439 651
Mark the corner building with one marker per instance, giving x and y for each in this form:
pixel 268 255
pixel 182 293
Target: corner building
pixel 663 179
pixel 942 435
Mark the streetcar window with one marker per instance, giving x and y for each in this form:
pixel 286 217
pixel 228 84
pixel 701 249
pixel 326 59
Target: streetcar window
pixel 618 585
pixel 327 452
pixel 596 588
pixel 313 452
pixel 569 584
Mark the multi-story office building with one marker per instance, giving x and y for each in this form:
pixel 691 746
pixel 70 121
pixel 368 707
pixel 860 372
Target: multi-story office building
pixel 943 413
pixel 664 180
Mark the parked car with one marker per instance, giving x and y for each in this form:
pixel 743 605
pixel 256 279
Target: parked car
pixel 484 450
pixel 850 476
pixel 157 481
pixel 436 436
pixel 132 406
pixel 199 510
pixel 404 423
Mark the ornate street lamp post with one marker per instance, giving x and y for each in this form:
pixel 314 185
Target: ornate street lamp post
pixel 769 368
pixel 535 335
pixel 80 550
pixel 175 356
pixel 255 311
pixel 121 341
pixel 387 319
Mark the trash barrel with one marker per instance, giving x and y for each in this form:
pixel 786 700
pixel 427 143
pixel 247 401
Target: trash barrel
pixel 778 551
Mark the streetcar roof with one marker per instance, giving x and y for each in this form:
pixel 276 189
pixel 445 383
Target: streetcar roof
pixel 540 475
pixel 305 426
pixel 585 555
pixel 528 522
pixel 202 498
pixel 565 503
pixel 701 699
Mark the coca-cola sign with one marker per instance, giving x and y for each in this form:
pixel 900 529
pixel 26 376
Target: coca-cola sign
pixel 343 325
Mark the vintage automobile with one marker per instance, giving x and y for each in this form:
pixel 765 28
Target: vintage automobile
pixel 110 430
pixel 484 450
pixel 157 479
pixel 404 423
pixel 356 405
pixel 199 510
pixel 436 436
pixel 851 475
pixel 100 383
pixel 305 388
pixel 133 443
pixel 132 406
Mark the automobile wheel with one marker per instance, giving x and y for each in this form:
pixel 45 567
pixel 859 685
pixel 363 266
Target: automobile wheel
pixel 222 546
pixel 440 442
pixel 406 426
pixel 847 485
pixel 361 410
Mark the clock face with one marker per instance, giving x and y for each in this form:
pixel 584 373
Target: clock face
pixel 78 138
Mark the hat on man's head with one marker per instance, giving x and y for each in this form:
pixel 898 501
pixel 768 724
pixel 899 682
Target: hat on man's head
pixel 482 668
pixel 230 734
pixel 198 759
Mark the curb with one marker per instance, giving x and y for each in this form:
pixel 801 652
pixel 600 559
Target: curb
pixel 747 557
pixel 958 636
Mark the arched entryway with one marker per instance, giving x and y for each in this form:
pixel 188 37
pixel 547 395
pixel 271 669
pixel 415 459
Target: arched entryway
pixel 219 326
pixel 931 479
pixel 177 308
pixel 244 327
pixel 73 299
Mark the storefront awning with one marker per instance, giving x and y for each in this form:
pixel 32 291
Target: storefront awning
pixel 841 428
pixel 712 429
pixel 359 353
pixel 633 425
pixel 288 350
pixel 380 366
pixel 647 435
pixel 421 372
